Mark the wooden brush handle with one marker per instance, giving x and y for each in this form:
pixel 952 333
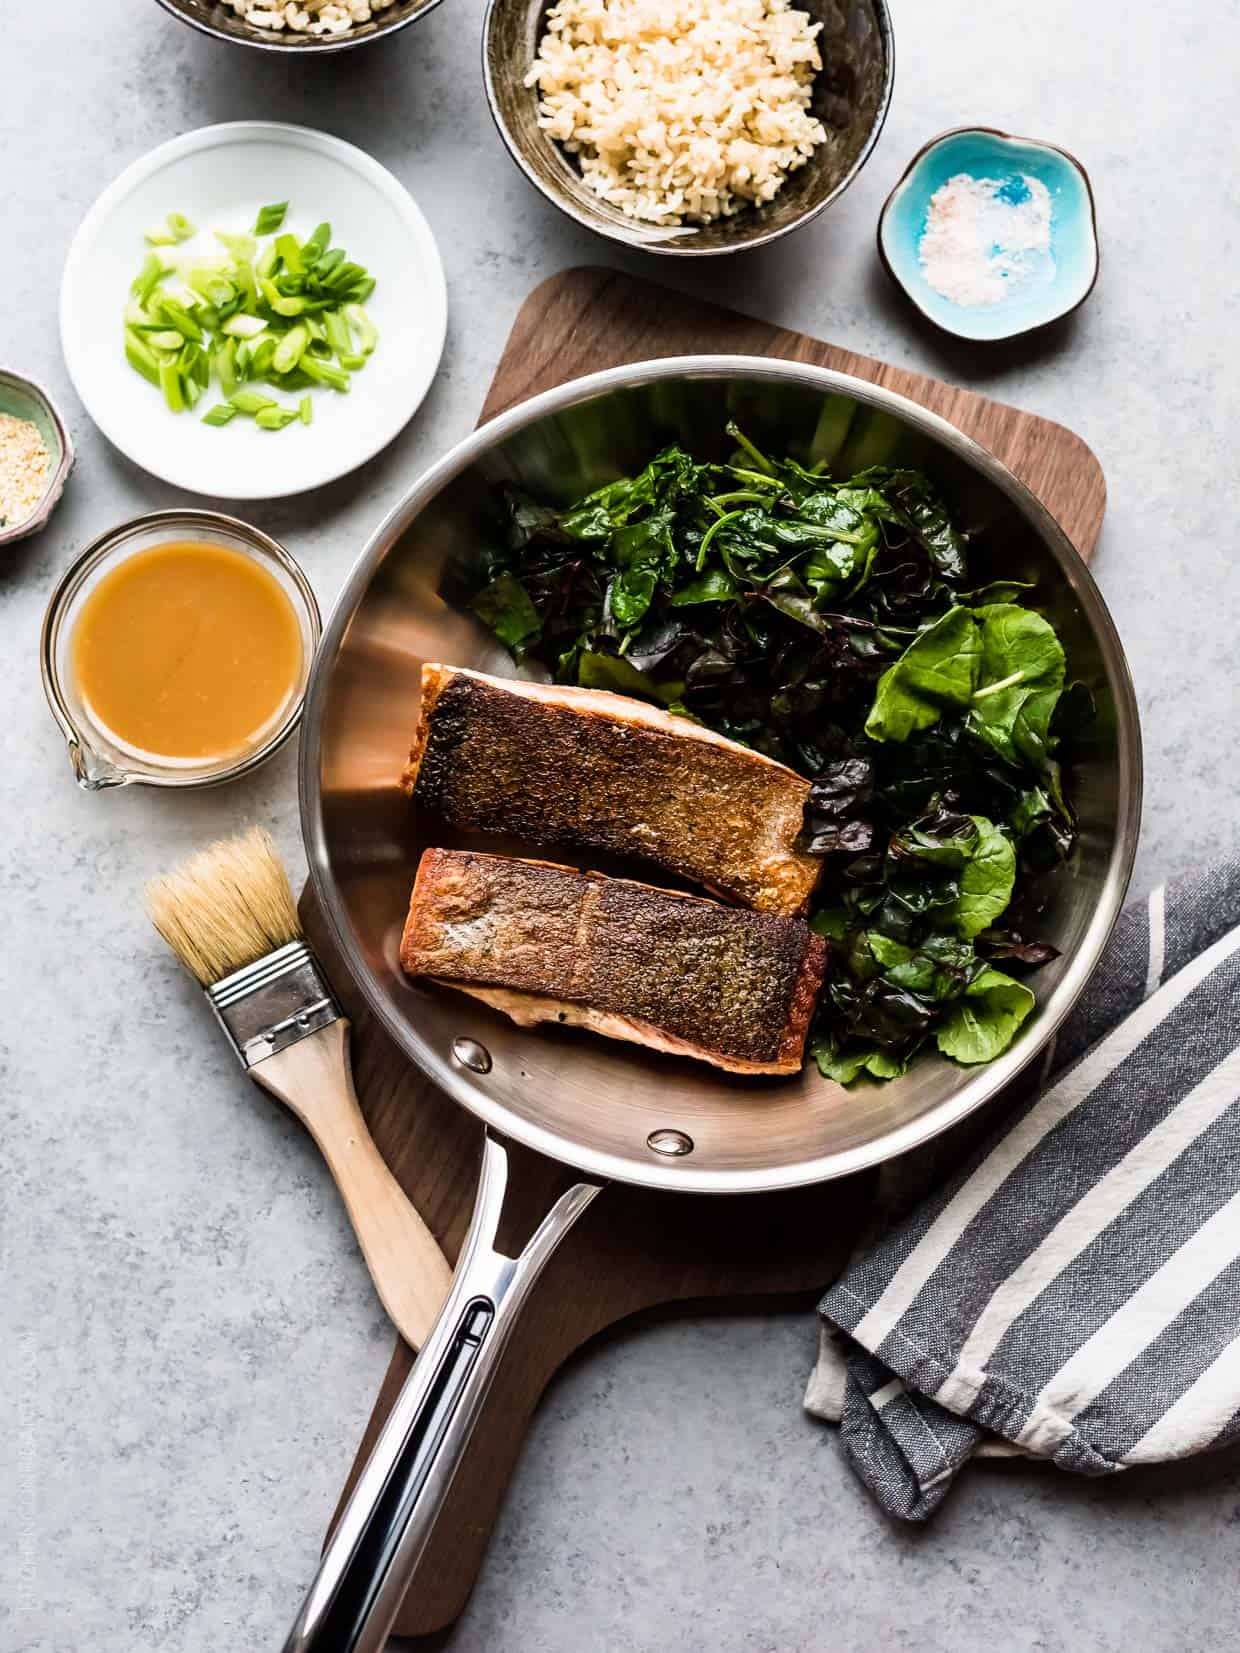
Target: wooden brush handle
pixel 410 1272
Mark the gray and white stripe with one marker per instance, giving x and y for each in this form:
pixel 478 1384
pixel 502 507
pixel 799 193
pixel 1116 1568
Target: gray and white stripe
pixel 1074 1291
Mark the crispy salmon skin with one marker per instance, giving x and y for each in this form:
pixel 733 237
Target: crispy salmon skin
pixel 587 769
pixel 676 973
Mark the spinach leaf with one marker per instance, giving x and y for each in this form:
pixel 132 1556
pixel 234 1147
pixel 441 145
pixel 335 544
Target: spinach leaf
pixel 986 880
pixel 612 671
pixel 982 1024
pixel 1020 679
pixel 716 585
pixel 937 671
pixel 506 606
pixel 938 969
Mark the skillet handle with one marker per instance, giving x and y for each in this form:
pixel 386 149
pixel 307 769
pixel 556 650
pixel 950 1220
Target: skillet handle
pixel 387 1522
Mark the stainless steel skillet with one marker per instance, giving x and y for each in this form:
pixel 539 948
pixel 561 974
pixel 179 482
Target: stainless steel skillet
pixel 616 1112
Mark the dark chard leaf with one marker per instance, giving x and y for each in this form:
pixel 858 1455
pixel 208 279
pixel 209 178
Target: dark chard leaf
pixel 998 944
pixel 936 672
pixel 527 520
pixel 1076 710
pixel 506 607
pixel 982 1024
pixel 942 838
pixel 837 838
pixel 940 968
pixel 914 504
pixel 841 789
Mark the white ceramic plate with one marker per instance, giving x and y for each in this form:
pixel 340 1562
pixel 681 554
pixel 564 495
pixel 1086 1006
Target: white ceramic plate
pixel 219 177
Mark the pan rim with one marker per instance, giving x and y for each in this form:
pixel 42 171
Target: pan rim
pixel 680 1175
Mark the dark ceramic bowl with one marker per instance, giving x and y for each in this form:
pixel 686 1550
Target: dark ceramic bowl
pixel 223 23
pixel 851 96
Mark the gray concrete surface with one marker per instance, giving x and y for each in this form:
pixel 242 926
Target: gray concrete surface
pixel 189 1345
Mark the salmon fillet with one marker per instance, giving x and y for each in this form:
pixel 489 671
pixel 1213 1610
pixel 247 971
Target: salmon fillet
pixel 674 972
pixel 587 769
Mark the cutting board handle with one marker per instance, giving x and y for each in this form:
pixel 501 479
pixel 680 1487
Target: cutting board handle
pixel 387 1523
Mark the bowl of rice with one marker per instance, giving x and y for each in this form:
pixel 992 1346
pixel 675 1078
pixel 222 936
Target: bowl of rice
pixel 690 127
pixel 298 25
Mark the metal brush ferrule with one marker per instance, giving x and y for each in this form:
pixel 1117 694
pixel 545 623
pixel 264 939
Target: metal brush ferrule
pixel 273 1003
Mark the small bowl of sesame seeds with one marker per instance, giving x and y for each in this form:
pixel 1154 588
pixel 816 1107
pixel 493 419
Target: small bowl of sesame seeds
pixel 36 456
pixel 298 25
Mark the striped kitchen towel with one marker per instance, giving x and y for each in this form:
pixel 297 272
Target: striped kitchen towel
pixel 1072 1293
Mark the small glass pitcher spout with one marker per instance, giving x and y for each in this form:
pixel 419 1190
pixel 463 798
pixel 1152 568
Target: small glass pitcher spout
pixel 92 771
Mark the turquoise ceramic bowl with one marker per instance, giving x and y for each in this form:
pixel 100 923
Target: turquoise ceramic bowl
pixel 1053 287
pixel 24 399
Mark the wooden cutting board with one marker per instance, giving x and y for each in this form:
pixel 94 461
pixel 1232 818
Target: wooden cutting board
pixel 634 1249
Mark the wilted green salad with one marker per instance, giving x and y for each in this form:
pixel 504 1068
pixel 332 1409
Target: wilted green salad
pixel 831 624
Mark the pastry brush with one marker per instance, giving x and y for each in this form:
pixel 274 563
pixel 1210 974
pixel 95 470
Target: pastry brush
pixel 228 914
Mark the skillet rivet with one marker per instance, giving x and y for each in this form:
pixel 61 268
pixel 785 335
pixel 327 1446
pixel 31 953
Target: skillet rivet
pixel 470 1054
pixel 671 1143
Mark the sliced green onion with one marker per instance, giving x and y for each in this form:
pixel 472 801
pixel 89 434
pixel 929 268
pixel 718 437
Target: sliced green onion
pixel 176 315
pixel 140 357
pixel 360 322
pixel 315 246
pixel 158 236
pixel 274 417
pixel 337 330
pixel 343 277
pixel 324 373
pixel 246 281
pixel 270 218
pixel 148 278
pixel 292 306
pixel 289 350
pixel 288 314
pixel 243 327
pixel 172 387
pixel 260 358
pixel 242 247
pixel 224 361
pixel 195 366
pixel 251 401
pixel 289 249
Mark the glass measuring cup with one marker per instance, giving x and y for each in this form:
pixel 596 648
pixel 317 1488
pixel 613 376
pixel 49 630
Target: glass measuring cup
pixel 99 759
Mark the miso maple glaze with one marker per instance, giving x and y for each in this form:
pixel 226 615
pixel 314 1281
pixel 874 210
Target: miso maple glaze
pixel 187 650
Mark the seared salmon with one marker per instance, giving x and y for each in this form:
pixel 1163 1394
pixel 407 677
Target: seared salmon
pixel 677 973
pixel 590 770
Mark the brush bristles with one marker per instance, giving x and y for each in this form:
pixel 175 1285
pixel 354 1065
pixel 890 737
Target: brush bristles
pixel 226 906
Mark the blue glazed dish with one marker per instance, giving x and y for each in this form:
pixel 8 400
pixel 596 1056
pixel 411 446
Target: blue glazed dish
pixel 1064 281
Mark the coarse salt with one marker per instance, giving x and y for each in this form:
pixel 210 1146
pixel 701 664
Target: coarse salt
pixel 24 466
pixel 986 237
